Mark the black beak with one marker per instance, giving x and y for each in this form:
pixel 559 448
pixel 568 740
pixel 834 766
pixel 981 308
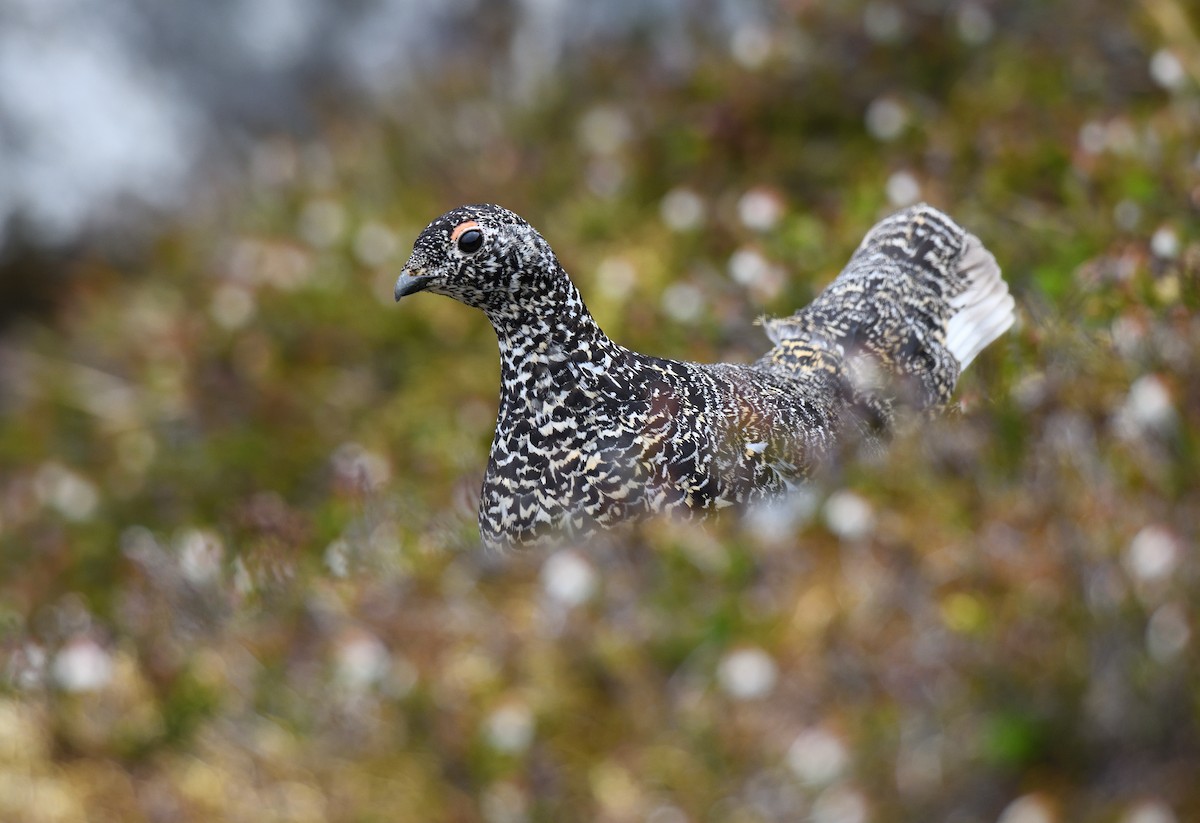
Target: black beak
pixel 411 284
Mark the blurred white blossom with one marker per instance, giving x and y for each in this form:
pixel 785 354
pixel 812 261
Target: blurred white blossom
pixel 322 222
pixel 1167 71
pixel 903 189
pixel 1153 554
pixel 1030 808
pixel 886 118
pixel 849 516
pixel 362 660
pixel 683 302
pixel 760 209
pixel 375 244
pixel 509 728
pixel 747 674
pixel 69 493
pixel 883 21
pixel 750 45
pixel 200 554
pixel 1147 407
pixel 1165 243
pixel 840 804
pixel 1168 632
pixel 82 665
pixel 817 757
pixel 682 209
pixel 605 129
pixel 1149 811
pixel 975 24
pixel 568 577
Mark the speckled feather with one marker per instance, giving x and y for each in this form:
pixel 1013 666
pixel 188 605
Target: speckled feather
pixel 590 434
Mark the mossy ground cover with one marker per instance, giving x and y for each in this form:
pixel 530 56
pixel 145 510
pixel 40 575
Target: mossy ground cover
pixel 239 572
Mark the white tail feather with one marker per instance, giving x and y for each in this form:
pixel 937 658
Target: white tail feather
pixel 983 310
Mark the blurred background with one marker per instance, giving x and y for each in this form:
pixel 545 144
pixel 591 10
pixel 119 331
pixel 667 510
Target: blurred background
pixel 239 572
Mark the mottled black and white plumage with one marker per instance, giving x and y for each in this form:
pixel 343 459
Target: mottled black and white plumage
pixel 590 434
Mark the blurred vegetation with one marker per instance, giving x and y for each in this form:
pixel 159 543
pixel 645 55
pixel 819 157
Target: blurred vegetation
pixel 239 572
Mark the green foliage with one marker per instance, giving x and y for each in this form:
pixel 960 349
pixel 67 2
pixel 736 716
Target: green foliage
pixel 240 573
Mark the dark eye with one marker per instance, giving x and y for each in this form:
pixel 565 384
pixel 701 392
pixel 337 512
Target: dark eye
pixel 470 241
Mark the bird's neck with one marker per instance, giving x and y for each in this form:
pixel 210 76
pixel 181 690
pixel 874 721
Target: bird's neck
pixel 548 330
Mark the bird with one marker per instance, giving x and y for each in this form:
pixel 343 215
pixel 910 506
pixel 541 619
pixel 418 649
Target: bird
pixel 590 434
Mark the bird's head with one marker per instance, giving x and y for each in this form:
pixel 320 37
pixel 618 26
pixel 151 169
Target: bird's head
pixel 484 256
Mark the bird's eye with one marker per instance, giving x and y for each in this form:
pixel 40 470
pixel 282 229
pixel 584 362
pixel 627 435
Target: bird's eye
pixel 470 241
